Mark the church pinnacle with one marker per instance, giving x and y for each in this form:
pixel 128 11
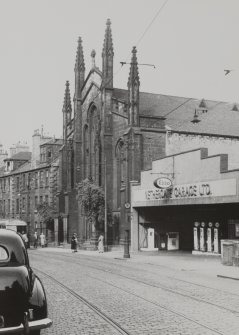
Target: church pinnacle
pixel 108 42
pixel 67 99
pixel 67 109
pixel 133 90
pixel 134 72
pixel 79 69
pixel 107 58
pixel 80 63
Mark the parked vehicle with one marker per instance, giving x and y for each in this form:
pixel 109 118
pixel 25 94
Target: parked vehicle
pixel 23 304
pixel 13 224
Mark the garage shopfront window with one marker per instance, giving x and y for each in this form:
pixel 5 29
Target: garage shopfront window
pixel 237 230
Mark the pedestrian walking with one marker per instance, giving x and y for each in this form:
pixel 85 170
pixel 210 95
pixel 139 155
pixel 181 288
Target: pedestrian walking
pixel 25 239
pixel 42 240
pixel 35 238
pixel 101 243
pixel 74 243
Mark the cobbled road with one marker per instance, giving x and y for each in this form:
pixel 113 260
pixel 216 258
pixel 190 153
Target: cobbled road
pixel 140 298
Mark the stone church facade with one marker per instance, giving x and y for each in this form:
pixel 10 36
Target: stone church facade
pixel 110 135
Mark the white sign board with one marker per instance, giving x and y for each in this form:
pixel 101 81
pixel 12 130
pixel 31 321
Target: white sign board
pixel 215 188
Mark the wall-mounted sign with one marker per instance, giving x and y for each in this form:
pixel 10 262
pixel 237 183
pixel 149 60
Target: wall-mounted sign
pixel 180 191
pixel 163 182
pixel 214 188
pixel 127 205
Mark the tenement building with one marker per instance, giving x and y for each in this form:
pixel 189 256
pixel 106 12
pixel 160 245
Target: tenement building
pixel 28 187
pixel 111 135
pixel 3 155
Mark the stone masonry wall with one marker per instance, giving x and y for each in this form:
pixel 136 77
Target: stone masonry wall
pixel 153 148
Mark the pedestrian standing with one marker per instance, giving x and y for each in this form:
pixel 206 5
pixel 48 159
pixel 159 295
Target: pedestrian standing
pixel 42 240
pixel 35 239
pixel 101 243
pixel 74 243
pixel 25 239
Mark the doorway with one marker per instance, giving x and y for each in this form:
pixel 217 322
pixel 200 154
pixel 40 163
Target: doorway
pixel 60 230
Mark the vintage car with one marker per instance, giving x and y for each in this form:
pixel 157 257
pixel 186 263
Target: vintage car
pixel 23 305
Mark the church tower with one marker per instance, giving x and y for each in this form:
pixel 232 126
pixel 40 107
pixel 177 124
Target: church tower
pixel 107 119
pixel 133 91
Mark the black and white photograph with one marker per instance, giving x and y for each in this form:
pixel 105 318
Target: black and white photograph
pixel 119 167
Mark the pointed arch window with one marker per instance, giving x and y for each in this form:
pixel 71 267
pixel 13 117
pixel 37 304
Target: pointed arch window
pixel 94 145
pixel 86 151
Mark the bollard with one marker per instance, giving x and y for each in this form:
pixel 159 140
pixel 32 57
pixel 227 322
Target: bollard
pixel 126 244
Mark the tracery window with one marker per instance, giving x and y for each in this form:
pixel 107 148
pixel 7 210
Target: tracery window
pixel 92 147
pixel 86 151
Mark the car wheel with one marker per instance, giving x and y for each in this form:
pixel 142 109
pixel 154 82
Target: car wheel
pixel 36 332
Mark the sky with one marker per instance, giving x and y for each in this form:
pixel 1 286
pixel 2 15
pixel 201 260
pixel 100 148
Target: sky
pixel 190 42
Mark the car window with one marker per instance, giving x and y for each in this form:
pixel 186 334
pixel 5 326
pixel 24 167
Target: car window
pixel 3 254
pixel 13 245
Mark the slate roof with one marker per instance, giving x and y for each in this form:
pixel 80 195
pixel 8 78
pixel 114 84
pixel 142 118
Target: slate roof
pixel 23 168
pixel 55 141
pixel 20 156
pixel 179 112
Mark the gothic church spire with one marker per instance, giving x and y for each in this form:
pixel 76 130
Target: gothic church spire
pixel 107 58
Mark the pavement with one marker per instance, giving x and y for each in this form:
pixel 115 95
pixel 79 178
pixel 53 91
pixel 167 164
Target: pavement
pixel 209 266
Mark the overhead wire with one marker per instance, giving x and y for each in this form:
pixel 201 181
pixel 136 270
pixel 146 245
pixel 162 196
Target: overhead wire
pixel 152 21
pixel 174 109
pixel 137 43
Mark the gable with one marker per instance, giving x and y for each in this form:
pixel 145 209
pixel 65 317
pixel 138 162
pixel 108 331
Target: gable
pixel 92 81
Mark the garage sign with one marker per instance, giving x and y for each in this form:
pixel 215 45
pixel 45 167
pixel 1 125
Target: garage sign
pixel 163 182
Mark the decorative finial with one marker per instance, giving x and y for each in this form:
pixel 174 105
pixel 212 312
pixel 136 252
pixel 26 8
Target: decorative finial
pixel 93 53
pixel 134 73
pixel 202 104
pixel 235 108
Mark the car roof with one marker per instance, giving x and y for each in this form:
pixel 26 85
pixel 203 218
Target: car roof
pixel 9 235
pixel 13 243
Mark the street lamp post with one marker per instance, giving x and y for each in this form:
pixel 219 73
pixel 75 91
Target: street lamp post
pixel 126 244
pixel 106 224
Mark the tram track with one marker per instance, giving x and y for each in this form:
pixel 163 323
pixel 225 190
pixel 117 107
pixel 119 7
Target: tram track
pixel 94 308
pixel 159 286
pixel 114 323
